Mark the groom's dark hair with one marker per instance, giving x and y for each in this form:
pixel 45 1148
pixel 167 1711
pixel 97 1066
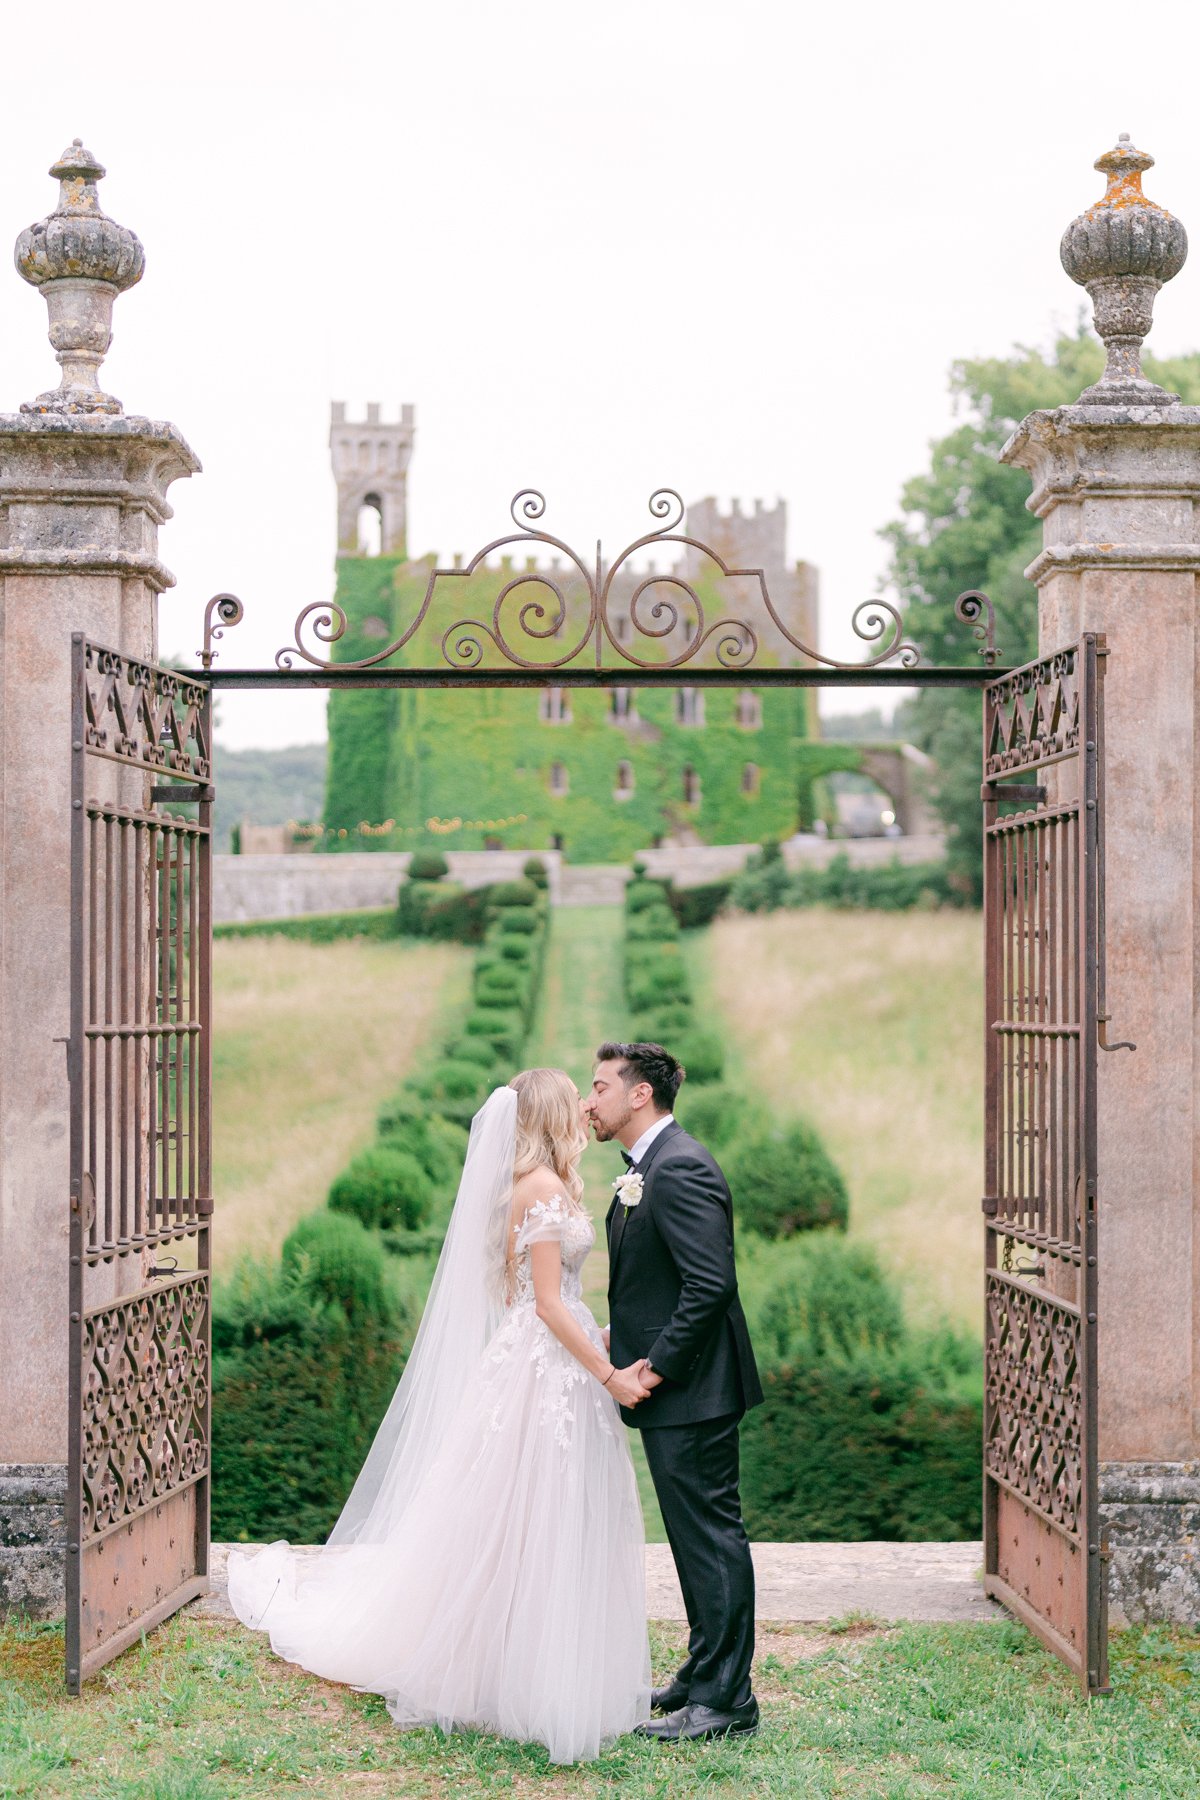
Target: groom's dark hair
pixel 647 1062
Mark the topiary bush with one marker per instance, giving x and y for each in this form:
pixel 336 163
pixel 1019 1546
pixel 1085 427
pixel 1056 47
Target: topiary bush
pixel 439 1145
pixel 518 921
pixel 868 1448
pixel 662 1023
pixel 503 1029
pixel 699 905
pixel 384 1186
pixel 471 1049
pixel 784 1181
pixel 719 1115
pixel 512 893
pixel 829 1298
pixel 650 986
pixel 536 871
pixel 306 1357
pixel 640 894
pixel 453 1079
pixel 427 865
pixel 441 909
pixel 650 923
pixel 702 1054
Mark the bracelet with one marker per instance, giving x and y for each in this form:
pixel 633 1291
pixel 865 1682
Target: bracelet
pixel 609 1376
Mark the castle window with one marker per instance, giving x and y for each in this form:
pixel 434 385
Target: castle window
pixel 557 841
pixel 624 787
pixel 370 526
pixel 689 706
pixel 750 778
pixel 749 710
pixel 621 629
pixel 621 706
pixel 559 782
pixel 554 707
pixel 691 786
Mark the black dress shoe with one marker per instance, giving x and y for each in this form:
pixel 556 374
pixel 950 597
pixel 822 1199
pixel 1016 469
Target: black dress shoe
pixel 697 1724
pixel 668 1699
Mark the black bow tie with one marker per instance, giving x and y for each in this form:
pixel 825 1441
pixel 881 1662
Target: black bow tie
pixel 629 1162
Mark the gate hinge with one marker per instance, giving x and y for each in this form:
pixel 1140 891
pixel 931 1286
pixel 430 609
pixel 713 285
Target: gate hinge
pixel 204 1206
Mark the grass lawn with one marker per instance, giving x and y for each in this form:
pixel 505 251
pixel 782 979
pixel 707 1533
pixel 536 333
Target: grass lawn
pixel 583 1002
pixel 203 1711
pixel 308 1039
pixel 871 1024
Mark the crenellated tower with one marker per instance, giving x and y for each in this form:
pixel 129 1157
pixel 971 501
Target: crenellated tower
pixel 370 465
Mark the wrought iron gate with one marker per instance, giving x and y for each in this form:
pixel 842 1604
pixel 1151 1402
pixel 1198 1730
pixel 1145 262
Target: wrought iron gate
pixel 1043 916
pixel 139 1060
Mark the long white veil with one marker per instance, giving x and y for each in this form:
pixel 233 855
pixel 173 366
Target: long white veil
pixel 464 1309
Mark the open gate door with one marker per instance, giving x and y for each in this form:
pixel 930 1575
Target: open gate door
pixel 138 1457
pixel 1043 913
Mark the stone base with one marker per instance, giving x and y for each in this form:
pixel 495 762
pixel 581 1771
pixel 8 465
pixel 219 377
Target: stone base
pixel 33 1539
pixel 1151 1512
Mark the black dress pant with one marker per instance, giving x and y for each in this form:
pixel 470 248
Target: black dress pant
pixel 695 1474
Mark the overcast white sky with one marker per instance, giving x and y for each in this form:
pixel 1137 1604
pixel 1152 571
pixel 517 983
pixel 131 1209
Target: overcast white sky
pixel 731 248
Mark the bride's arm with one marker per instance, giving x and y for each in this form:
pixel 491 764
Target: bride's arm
pixel 546 1261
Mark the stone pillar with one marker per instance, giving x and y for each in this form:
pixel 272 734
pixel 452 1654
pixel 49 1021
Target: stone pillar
pixel 1116 481
pixel 82 494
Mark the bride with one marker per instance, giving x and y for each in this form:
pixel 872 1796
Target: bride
pixel 487 1570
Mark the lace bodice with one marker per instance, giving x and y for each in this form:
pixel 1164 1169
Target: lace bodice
pixel 557 1219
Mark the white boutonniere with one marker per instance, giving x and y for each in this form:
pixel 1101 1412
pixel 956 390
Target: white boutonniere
pixel 629 1188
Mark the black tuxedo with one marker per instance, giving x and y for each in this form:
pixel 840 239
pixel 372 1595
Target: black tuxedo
pixel 672 1297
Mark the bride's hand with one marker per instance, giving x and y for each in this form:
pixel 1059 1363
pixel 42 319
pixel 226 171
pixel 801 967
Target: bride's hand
pixel 626 1387
pixel 605 1335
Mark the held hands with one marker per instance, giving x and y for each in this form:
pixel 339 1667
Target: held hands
pixel 629 1386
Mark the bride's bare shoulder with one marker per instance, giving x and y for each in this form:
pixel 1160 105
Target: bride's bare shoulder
pixel 538 1184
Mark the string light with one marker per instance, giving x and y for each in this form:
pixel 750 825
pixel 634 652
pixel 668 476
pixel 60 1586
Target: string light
pixel 438 827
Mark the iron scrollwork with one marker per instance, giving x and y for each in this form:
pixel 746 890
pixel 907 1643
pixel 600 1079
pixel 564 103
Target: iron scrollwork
pixel 136 712
pixel 657 607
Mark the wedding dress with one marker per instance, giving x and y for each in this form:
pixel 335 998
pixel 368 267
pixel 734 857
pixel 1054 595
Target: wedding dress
pixel 488 1570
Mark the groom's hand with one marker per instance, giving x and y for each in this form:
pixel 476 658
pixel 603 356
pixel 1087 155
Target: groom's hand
pixel 627 1387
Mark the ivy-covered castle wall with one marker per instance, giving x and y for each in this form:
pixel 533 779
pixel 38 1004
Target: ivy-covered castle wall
pixel 597 773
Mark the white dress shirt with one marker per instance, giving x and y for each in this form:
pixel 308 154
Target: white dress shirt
pixel 648 1136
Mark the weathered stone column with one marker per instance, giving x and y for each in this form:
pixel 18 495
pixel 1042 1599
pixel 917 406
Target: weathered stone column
pixel 1116 480
pixel 82 494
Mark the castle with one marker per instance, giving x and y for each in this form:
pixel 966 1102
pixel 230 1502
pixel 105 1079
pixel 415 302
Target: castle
pixel 596 773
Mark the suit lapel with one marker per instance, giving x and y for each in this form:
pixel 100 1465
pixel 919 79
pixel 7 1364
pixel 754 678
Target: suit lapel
pixel 617 1235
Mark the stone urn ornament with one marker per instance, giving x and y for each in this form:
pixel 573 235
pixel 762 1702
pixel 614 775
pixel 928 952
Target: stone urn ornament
pixel 1121 250
pixel 81 260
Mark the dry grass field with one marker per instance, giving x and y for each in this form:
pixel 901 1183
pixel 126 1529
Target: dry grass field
pixel 308 1040
pixel 871 1025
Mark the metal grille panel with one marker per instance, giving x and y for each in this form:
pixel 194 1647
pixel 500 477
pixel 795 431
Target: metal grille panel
pixel 1042 904
pixel 140 1325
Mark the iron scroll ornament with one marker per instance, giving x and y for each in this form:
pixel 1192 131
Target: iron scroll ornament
pixel 542 616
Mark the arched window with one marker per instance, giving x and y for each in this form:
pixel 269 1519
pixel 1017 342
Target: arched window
pixel 750 778
pixel 624 787
pixel 559 782
pixel 691 786
pixel 554 707
pixel 370 526
pixel 689 706
pixel 749 710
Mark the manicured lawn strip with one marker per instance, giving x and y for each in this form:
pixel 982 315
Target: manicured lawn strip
pixel 203 1711
pixel 581 1004
pixel 870 1025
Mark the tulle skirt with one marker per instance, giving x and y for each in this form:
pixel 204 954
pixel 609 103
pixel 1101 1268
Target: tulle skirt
pixel 509 1593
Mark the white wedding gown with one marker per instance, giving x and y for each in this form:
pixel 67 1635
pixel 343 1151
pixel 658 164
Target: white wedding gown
pixel 509 1595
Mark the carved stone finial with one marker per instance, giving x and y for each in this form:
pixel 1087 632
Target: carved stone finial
pixel 1121 250
pixel 81 260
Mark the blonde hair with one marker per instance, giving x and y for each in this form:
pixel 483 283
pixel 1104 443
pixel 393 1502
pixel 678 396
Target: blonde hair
pixel 550 1132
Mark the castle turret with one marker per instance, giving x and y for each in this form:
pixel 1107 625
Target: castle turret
pixel 370 465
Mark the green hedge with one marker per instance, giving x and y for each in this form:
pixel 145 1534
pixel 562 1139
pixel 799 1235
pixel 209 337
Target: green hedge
pixel 694 907
pixel 385 1185
pixel 306 1356
pixel 319 928
pixel 427 865
pixel 766 884
pixel 784 1181
pixel 869 1429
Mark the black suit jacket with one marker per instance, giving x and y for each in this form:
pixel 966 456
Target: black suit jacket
pixel 672 1288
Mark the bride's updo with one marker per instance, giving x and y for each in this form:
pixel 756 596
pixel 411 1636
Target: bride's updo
pixel 550 1131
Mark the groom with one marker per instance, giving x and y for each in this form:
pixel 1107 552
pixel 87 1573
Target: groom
pixel 676 1317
